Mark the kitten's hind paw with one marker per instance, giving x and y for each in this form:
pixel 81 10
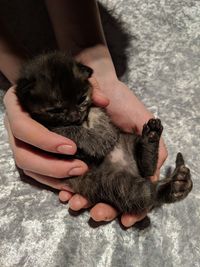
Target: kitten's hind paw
pixel 181 184
pixel 152 130
pixel 177 186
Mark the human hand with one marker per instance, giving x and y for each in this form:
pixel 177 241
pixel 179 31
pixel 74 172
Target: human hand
pixel 31 142
pixel 26 155
pixel 130 116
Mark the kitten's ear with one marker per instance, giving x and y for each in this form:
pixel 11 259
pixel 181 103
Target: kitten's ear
pixel 85 70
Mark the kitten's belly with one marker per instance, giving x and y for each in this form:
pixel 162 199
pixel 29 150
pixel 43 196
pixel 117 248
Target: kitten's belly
pixel 118 156
pixel 121 157
pixel 119 162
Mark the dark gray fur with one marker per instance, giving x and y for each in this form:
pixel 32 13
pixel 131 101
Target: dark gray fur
pixel 120 164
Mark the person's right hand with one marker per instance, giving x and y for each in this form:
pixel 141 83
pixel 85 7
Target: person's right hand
pixel 29 140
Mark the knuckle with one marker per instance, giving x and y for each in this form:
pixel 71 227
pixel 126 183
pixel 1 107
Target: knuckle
pixel 16 129
pixel 22 159
pixel 5 98
pixel 19 160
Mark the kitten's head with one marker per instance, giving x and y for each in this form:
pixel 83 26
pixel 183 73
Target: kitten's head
pixel 55 90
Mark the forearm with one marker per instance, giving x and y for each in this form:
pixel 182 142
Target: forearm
pixel 10 65
pixel 11 56
pixel 78 30
pixel 76 23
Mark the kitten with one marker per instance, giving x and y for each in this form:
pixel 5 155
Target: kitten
pixel 55 90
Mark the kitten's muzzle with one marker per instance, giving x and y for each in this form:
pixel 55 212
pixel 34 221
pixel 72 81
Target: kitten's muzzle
pixel 76 117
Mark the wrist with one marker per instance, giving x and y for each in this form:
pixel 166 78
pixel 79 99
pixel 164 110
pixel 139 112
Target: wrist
pixel 98 58
pixel 10 65
pixel 12 56
pixel 11 60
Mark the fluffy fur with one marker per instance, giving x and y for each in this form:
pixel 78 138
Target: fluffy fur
pixel 56 92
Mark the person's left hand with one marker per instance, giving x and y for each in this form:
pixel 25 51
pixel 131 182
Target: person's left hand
pixel 128 113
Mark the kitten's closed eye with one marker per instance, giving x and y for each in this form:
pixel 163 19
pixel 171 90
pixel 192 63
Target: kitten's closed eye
pixel 54 110
pixel 82 99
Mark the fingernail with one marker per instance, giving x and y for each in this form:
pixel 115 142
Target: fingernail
pixel 108 219
pixel 76 171
pixel 66 149
pixel 129 224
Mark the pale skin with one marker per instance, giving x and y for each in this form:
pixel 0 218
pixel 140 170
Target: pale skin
pixel 87 43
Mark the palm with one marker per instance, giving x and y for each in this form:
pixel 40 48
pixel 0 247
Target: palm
pixel 128 113
pixel 125 109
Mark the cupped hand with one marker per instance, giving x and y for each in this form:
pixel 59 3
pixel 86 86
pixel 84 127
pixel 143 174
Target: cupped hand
pixel 31 142
pixel 129 113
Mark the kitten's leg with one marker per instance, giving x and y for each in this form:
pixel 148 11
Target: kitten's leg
pixel 177 187
pixel 146 148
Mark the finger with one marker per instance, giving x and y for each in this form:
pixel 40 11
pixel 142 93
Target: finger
pixel 98 97
pixel 78 202
pixel 65 196
pixel 39 162
pixel 52 182
pixel 162 153
pixel 155 177
pixel 30 159
pixel 130 219
pixel 103 212
pixel 161 159
pixel 28 130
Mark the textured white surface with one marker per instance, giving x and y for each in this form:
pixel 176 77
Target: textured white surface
pixel 163 67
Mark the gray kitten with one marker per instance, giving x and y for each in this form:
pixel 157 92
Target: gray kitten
pixel 56 92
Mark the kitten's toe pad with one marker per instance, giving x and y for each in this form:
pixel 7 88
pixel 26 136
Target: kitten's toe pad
pixel 181 183
pixel 153 130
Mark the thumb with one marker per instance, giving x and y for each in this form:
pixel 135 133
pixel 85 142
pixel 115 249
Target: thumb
pixel 161 159
pixel 98 97
pixel 162 153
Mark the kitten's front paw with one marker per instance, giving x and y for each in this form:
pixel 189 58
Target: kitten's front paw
pixel 181 184
pixel 152 130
